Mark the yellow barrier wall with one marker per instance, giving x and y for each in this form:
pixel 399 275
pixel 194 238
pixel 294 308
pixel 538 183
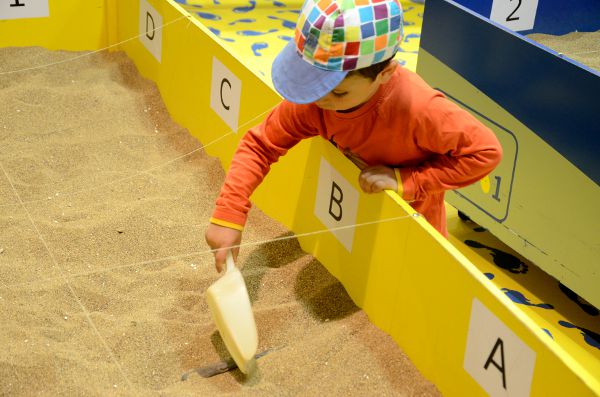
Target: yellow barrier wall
pixel 74 25
pixel 417 287
pixel 440 308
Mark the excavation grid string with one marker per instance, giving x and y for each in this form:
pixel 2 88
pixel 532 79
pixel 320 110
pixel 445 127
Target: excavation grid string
pixel 211 251
pixel 93 52
pixel 145 171
pixel 65 277
pixel 142 172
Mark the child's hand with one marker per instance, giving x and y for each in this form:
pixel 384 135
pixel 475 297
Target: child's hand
pixel 221 238
pixel 377 178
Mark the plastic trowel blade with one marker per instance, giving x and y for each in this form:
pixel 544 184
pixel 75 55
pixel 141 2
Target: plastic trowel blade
pixel 229 304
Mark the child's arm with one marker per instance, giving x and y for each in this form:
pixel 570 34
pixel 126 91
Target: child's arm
pixel 463 151
pixel 260 147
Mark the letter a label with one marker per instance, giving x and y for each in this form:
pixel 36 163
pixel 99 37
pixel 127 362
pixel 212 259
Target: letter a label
pixel 496 357
pixel 151 23
pixel 336 203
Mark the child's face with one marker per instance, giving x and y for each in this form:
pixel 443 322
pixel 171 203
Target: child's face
pixel 353 91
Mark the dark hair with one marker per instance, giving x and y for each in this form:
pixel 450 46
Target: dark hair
pixel 372 71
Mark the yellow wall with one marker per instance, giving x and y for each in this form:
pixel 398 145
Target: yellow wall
pixel 73 25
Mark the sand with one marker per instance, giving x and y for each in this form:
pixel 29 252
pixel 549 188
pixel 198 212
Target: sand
pixel 583 47
pixel 103 265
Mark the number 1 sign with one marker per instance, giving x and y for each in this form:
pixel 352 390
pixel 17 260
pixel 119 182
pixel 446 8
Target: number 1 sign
pixel 516 15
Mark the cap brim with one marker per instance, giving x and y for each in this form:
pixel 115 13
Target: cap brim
pixel 300 82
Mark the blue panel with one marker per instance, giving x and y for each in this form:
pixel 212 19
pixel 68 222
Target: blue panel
pixel 481 7
pixel 555 17
pixel 554 97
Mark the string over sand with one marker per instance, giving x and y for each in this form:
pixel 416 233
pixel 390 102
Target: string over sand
pixel 583 47
pixel 102 270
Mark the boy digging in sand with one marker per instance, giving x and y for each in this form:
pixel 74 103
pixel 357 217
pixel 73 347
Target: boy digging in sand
pixel 339 81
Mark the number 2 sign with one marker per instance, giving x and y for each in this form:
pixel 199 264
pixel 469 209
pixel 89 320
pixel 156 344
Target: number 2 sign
pixel 516 15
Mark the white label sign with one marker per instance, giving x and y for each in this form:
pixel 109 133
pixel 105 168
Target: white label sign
pixel 495 357
pixel 151 23
pixel 18 9
pixel 225 94
pixel 336 204
pixel 514 14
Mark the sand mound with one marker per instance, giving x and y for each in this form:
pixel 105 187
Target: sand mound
pixel 103 263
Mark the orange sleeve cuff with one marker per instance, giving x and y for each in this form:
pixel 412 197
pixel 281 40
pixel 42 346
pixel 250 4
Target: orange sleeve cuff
pixel 400 190
pixel 405 180
pixel 226 224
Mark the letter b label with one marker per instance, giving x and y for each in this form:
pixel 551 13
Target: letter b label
pixel 336 203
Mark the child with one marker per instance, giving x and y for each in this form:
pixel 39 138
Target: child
pixel 339 81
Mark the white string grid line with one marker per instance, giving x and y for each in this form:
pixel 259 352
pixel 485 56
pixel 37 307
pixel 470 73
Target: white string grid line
pixel 141 172
pixel 187 16
pixel 586 52
pixel 210 251
pixel 66 281
pixel 66 277
pixel 40 236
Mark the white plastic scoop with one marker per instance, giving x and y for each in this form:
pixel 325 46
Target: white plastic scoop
pixel 229 304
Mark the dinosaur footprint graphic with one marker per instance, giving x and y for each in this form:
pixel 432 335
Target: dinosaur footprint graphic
pixel 257 47
pixel 582 303
pixel 519 298
pixel 502 259
pixel 590 337
pixel 251 7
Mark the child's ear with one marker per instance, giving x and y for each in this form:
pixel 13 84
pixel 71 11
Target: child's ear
pixel 388 71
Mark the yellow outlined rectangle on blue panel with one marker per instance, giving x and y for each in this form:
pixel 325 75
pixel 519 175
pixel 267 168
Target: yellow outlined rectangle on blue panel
pixel 538 223
pixel 553 129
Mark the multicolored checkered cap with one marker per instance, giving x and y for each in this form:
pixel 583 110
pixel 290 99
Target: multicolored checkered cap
pixel 333 37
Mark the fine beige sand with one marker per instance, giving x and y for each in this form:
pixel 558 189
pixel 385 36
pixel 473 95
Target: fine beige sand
pixel 583 47
pixel 103 265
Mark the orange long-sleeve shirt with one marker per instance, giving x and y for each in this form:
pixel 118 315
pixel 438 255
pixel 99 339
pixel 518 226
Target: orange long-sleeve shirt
pixel 432 143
